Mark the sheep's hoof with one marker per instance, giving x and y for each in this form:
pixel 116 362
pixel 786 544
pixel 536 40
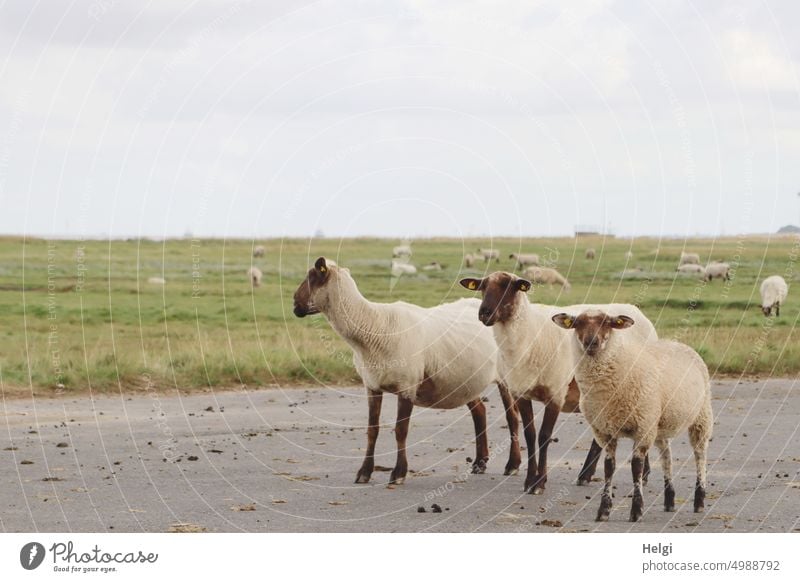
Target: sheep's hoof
pixel 584 481
pixel 669 508
pixel 601 516
pixel 636 514
pixel 479 467
pixel 535 486
pixel 397 481
pixel 363 475
pixel 511 471
pixel 699 508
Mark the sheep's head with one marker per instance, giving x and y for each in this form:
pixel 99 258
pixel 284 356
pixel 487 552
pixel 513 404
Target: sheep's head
pixel 309 290
pixel 499 291
pixel 766 310
pixel 592 328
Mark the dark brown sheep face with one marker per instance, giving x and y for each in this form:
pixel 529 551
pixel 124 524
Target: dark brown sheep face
pixel 766 311
pixel 317 278
pixel 499 292
pixel 592 328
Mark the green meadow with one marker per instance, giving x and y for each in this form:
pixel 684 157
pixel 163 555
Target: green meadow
pixel 81 315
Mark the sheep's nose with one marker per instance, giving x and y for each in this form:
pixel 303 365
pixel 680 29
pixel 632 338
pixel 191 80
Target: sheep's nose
pixel 483 313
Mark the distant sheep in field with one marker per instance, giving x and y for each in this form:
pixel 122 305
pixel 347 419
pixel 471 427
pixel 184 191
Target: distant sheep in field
pixel 629 256
pixel 254 274
pixel 590 254
pixel 718 270
pixel 259 251
pixel 401 251
pixel 773 293
pixel 489 254
pixel 157 281
pixel 401 268
pixel 691 268
pixel 546 276
pixel 524 260
pixel 689 259
pixel 470 260
pixel 433 266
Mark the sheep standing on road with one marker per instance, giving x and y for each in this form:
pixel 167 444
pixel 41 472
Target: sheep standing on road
pixel 437 357
pixel 535 362
pixel 689 259
pixel 489 254
pixel 524 260
pixel 773 293
pixel 254 274
pixel 718 270
pixel 546 276
pixel 590 254
pixel 649 392
pixel 258 251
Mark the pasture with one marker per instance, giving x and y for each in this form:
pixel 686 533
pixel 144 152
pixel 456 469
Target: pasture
pixel 76 320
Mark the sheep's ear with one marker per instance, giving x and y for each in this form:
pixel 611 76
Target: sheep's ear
pixel 523 285
pixel 320 265
pixel 564 320
pixel 621 322
pixel 472 284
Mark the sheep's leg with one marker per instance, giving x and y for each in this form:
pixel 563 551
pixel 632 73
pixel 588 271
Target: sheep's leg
pixel 590 464
pixel 777 309
pixel 698 437
pixel 646 474
pixel 514 456
pixel 478 411
pixel 637 470
pixel 666 465
pixel 551 412
pixel 529 428
pixel 610 466
pixel 374 400
pixel 404 408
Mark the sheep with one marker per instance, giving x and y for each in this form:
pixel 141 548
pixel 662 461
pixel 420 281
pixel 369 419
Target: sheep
pixel 590 253
pixel 254 274
pixel 692 268
pixel 433 266
pixel 535 362
pixel 489 254
pixel 470 260
pixel 629 256
pixel 437 357
pixel 718 270
pixel 546 276
pixel 649 392
pixel 157 281
pixel 689 259
pixel 258 251
pixel 773 294
pixel 524 260
pixel 401 251
pixel 401 268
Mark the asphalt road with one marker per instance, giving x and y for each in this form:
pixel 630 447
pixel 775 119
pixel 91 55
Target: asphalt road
pixel 285 460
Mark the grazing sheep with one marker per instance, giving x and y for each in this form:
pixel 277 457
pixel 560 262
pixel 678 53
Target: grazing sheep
pixel 546 276
pixel 689 259
pixel 692 268
pixel 401 268
pixel 718 270
pixel 433 266
pixel 436 357
pixel 649 392
pixel 773 294
pixel 590 253
pixel 401 251
pixel 524 260
pixel 489 254
pixel 254 274
pixel 258 251
pixel 632 272
pixel 470 260
pixel 157 281
pixel 535 362
pixel 629 256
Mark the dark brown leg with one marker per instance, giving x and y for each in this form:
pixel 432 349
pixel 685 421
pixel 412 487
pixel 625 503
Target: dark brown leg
pixel 514 456
pixel 374 400
pixel 610 466
pixel 590 464
pixel 478 411
pixel 545 438
pixel 646 473
pixel 529 428
pixel 637 470
pixel 404 408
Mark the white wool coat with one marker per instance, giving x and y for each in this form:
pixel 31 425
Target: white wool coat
pixel 773 290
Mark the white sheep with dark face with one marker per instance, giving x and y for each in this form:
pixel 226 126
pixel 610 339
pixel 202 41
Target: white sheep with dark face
pixel 773 294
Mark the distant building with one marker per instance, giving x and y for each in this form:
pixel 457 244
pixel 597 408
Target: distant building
pixel 789 229
pixel 592 230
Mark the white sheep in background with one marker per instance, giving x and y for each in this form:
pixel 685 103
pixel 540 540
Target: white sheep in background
pixel 718 270
pixel 401 251
pixel 259 251
pixel 689 259
pixel 649 392
pixel 524 260
pixel 433 266
pixel 773 293
pixel 691 268
pixel 546 276
pixel 590 253
pixel 489 254
pixel 157 281
pixel 254 274
pixel 535 362
pixel 436 357
pixel 470 260
pixel 629 256
pixel 402 268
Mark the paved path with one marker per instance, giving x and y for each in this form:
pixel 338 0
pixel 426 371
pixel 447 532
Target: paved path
pixel 273 460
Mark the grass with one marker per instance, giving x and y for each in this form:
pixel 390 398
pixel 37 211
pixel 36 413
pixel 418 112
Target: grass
pixel 72 322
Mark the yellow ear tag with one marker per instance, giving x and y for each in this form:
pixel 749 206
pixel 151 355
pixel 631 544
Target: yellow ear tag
pixel 323 269
pixel 472 285
pixel 567 322
pixel 524 287
pixel 620 322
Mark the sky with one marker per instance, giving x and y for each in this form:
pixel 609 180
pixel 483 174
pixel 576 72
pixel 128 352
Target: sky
pixel 407 118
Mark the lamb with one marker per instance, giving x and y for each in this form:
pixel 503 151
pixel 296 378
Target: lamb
pixel 489 254
pixel 402 251
pixel 773 294
pixel 649 392
pixel 718 270
pixel 258 251
pixel 524 260
pixel 689 259
pixel 547 276
pixel 590 253
pixel 692 268
pixel 535 362
pixel 254 274
pixel 437 357
pixel 402 268
pixel 433 266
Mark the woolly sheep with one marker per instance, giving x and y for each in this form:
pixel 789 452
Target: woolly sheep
pixel 649 392
pixel 524 260
pixel 157 281
pixel 689 259
pixel 470 260
pixel 590 253
pixel 401 251
pixel 489 254
pixel 401 268
pixel 691 268
pixel 433 266
pixel 718 270
pixel 254 274
pixel 258 251
pixel 438 357
pixel 535 362
pixel 546 276
pixel 773 294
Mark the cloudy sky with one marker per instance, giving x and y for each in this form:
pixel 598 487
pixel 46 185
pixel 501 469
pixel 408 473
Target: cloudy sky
pixel 398 118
